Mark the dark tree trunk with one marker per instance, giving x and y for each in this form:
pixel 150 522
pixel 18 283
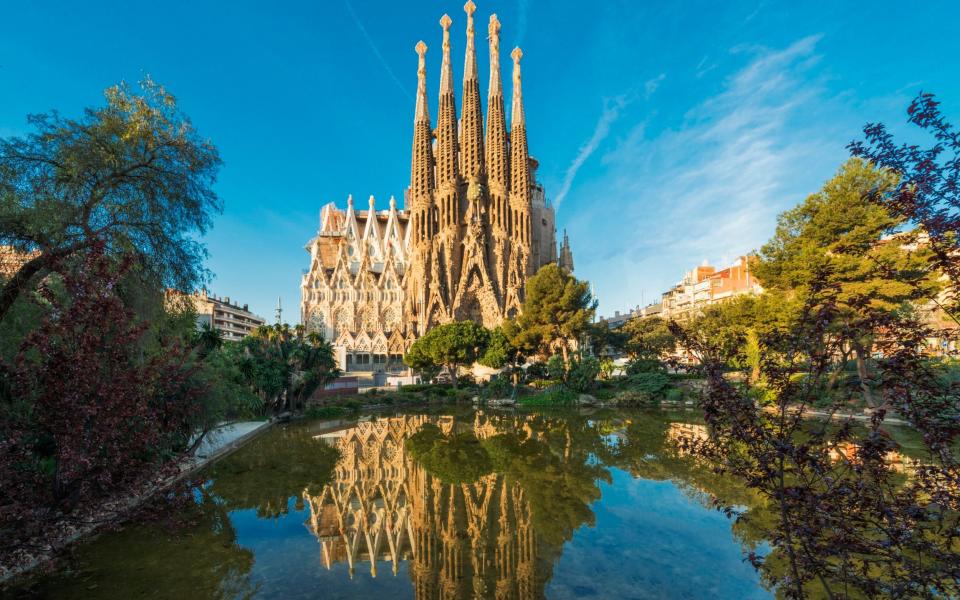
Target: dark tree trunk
pixel 21 280
pixel 453 375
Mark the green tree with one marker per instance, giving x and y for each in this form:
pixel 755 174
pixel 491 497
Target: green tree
pixel 285 365
pixel 648 338
pixel 837 252
pixel 606 341
pixel 133 175
pixel 557 310
pixel 207 339
pixel 499 352
pixel 450 345
pixel 421 363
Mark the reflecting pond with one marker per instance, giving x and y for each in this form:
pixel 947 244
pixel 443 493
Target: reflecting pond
pixel 467 504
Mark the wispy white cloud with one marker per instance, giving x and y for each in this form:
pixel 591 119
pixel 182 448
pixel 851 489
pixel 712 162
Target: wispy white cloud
pixel 704 67
pixel 376 51
pixel 611 110
pixel 710 188
pixel 651 85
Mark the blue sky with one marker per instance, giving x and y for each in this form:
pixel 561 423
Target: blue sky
pixel 667 133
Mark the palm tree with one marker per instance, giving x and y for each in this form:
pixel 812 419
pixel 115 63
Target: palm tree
pixel 207 339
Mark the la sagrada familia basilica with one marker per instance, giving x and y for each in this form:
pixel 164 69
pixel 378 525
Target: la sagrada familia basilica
pixel 475 224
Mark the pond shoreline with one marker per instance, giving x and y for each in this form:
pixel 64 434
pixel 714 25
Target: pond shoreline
pixel 66 533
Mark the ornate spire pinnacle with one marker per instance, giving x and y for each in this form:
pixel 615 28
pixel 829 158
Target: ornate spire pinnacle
pixel 446 69
pixel 493 35
pixel 519 158
pixel 516 113
pixel 497 159
pixel 471 118
pixel 470 60
pixel 421 166
pixel 423 110
pixel 446 152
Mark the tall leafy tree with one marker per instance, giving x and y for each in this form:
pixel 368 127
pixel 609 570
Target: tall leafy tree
pixel 450 345
pixel 557 310
pixel 839 240
pixel 132 175
pixel 648 338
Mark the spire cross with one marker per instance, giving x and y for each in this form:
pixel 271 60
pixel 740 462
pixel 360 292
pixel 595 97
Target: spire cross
pixel 516 55
pixel 470 8
pixel 421 48
pixel 445 22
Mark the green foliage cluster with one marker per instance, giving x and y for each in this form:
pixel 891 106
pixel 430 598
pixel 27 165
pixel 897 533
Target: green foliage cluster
pixel 498 387
pixel 283 365
pixel 450 345
pixel 132 175
pixel 458 458
pixel 556 395
pixel 582 374
pixel 648 338
pixel 557 310
pixel 325 412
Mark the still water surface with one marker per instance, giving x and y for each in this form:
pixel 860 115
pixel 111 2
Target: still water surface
pixel 475 505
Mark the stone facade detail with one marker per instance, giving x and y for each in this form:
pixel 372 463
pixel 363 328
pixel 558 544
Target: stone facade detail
pixel 476 223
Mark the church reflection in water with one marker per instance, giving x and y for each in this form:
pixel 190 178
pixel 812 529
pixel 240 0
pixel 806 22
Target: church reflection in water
pixel 460 540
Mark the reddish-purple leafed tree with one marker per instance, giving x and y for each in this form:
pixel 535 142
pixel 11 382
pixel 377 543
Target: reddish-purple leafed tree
pixel 88 411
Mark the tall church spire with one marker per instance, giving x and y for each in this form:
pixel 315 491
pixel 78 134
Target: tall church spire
pixel 421 171
pixel 447 172
pixel 519 157
pixel 471 119
pixel 496 143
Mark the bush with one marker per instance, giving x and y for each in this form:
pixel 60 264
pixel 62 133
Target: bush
pixel 653 383
pixel 645 365
pixel 535 371
pixel 556 369
pixel 603 394
pixel 583 373
pixel 554 396
pixel 428 388
pixel 542 384
pixel 498 387
pixel 325 412
pixel 674 395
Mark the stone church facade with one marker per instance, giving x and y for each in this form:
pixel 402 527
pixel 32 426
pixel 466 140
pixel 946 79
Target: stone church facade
pixel 476 223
